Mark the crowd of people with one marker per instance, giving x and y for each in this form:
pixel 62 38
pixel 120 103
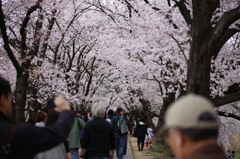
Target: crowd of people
pixel 191 129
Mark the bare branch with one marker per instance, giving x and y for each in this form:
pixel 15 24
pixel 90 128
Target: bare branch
pixel 222 25
pixel 225 37
pixel 23 28
pixel 6 41
pixel 184 11
pixel 229 115
pixel 90 77
pixel 179 46
pixel 47 36
pixel 219 101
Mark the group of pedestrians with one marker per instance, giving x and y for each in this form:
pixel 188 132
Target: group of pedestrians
pixel 105 135
pixel 24 140
pixel 57 133
pixel 191 129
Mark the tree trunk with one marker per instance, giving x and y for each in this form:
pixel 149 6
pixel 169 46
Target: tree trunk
pixel 20 96
pixel 199 64
pixel 166 102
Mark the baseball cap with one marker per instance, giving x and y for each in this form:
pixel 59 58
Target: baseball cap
pixel 190 112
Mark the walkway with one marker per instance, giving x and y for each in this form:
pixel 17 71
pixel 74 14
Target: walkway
pixel 129 153
pixel 145 154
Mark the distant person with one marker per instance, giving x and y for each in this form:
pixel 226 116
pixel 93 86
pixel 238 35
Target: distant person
pixel 191 129
pixel 110 115
pixel 131 125
pixel 98 140
pixel 85 117
pixel 149 137
pixel 74 137
pixel 121 137
pixel 24 140
pixel 40 118
pixel 142 132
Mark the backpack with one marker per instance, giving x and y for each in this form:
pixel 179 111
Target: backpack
pixel 122 125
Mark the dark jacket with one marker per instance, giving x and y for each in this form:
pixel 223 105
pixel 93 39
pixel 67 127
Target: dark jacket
pixel 142 130
pixel 115 122
pixel 98 138
pixel 211 151
pixel 27 139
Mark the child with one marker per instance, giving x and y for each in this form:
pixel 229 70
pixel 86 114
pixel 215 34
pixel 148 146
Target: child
pixel 149 138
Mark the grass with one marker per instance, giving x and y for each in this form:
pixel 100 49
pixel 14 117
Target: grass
pixel 237 156
pixel 159 148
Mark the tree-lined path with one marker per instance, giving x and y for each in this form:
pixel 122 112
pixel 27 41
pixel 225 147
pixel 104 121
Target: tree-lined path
pixel 138 54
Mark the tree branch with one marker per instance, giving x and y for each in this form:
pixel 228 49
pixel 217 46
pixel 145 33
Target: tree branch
pixel 47 36
pixel 90 77
pixel 219 101
pixel 6 41
pixel 226 36
pixel 222 25
pixel 229 115
pixel 179 46
pixel 37 35
pixel 23 28
pixel 184 11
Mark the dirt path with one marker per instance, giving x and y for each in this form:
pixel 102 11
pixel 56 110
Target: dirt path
pixel 145 154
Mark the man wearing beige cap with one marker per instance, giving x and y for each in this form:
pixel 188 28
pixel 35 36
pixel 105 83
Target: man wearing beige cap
pixel 191 129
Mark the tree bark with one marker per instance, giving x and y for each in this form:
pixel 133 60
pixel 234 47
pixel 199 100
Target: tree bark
pixel 21 96
pixel 199 64
pixel 23 68
pixel 166 102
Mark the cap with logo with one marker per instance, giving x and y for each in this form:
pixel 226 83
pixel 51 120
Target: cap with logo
pixel 190 112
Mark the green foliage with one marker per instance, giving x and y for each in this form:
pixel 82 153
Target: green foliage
pixel 237 156
pixel 160 147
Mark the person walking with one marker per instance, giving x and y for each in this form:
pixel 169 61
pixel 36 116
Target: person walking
pixel 98 140
pixel 24 140
pixel 191 129
pixel 149 138
pixel 74 137
pixel 121 136
pixel 142 132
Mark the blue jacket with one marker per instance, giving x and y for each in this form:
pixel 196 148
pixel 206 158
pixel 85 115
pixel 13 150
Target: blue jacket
pixel 26 139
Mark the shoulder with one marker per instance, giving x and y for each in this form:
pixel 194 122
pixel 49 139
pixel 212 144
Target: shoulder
pixel 116 117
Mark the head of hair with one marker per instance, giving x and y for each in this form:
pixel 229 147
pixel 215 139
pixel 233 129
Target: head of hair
pixel 5 88
pixel 100 109
pixel 52 116
pixel 141 119
pixel 110 112
pixel 119 109
pixel 40 116
pixel 200 134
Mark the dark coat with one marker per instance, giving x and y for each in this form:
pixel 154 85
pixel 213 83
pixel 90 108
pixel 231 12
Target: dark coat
pixel 211 151
pixel 98 138
pixel 26 139
pixel 141 130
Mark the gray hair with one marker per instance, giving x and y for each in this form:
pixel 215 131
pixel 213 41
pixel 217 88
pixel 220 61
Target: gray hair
pixel 98 109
